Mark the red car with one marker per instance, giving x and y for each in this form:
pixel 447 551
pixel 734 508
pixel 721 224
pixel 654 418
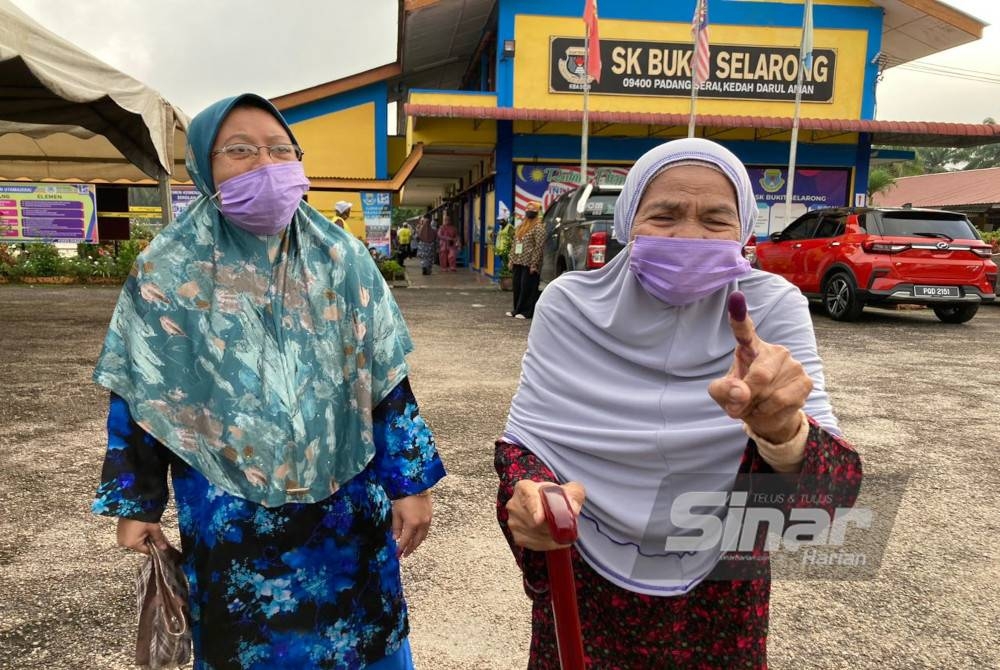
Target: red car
pixel 849 258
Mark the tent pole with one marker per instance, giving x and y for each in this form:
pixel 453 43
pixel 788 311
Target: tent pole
pixel 166 202
pixel 166 206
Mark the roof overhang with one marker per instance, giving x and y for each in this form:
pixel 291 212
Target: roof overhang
pixel 913 29
pixel 440 171
pixel 439 39
pixel 889 133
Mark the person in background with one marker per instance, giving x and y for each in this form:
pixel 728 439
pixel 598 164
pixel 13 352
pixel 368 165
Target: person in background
pixel 426 239
pixel 447 244
pixel 258 357
pixel 526 261
pixel 343 212
pixel 404 235
pixel 674 373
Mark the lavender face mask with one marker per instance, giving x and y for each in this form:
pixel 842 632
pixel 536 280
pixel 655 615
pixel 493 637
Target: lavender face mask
pixel 263 200
pixel 680 270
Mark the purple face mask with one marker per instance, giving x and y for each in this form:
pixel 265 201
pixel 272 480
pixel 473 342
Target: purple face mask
pixel 263 200
pixel 681 270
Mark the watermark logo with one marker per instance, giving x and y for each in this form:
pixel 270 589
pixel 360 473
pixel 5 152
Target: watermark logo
pixel 701 523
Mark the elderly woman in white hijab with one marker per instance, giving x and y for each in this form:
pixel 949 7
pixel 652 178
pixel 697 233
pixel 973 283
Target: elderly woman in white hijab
pixel 646 383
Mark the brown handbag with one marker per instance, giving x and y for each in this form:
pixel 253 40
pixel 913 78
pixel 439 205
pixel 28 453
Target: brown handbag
pixel 164 638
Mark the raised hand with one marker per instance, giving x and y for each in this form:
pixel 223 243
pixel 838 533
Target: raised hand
pixel 765 386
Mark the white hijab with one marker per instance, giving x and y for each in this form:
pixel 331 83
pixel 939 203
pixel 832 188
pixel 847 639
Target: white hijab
pixel 614 392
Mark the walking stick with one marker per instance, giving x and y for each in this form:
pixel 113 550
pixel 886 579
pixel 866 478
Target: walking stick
pixel 562 526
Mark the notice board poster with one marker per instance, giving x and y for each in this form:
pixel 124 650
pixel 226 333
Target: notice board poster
pixel 814 188
pixel 40 212
pixel 180 198
pixel 377 209
pixel 545 183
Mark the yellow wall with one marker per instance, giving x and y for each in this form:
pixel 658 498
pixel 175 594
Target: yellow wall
pixel 397 154
pixel 476 223
pixel 491 216
pixel 339 144
pixel 531 67
pixel 452 131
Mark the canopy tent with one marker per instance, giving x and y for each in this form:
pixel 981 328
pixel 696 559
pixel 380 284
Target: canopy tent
pixel 66 115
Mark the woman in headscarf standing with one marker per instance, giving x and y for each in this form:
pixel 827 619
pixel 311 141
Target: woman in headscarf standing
pixel 257 354
pixel 426 238
pixel 526 261
pixel 648 384
pixel 447 236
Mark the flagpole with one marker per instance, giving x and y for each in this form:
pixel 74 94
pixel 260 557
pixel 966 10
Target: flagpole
pixel 794 147
pixel 694 97
pixel 804 61
pixel 585 131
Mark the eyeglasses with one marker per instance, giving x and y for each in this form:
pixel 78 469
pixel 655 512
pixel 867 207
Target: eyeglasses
pixel 279 152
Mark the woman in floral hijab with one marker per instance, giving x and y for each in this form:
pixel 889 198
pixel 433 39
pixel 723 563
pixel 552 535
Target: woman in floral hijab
pixel 257 354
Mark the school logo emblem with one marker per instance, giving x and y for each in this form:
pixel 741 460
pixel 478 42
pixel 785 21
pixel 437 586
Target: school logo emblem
pixel 772 181
pixel 571 66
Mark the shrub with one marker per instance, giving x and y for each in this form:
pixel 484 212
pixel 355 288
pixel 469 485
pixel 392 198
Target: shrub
pixel 10 263
pixel 43 260
pixel 391 270
pixel 81 268
pixel 127 253
pixel 994 239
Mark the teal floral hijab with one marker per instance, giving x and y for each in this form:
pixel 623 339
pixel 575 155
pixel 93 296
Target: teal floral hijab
pixel 257 360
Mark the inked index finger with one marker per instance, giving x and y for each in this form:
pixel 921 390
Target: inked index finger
pixel 743 330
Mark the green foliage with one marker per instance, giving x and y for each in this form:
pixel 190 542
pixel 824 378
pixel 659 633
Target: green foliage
pixel 127 253
pixel 400 214
pixel 391 270
pixel 993 238
pixel 880 180
pixel 42 259
pixel 81 268
pixel 142 231
pixel 10 263
pixel 505 242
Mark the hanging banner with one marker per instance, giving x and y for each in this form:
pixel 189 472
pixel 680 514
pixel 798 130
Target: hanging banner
pixel 545 183
pixel 737 72
pixel 814 189
pixel 40 212
pixel 376 207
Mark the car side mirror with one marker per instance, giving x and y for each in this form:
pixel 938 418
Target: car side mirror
pixel 777 237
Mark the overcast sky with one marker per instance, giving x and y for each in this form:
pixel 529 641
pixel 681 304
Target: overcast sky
pixel 197 51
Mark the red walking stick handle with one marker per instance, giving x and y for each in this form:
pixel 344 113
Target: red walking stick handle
pixel 562 527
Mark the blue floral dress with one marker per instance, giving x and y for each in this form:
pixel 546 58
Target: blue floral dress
pixel 305 585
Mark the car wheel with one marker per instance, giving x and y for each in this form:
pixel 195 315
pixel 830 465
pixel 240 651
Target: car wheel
pixel 840 298
pixel 956 313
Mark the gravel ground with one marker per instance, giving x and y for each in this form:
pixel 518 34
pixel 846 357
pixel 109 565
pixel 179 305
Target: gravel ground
pixel 918 398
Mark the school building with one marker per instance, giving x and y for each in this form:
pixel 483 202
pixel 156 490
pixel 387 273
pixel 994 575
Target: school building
pixel 487 98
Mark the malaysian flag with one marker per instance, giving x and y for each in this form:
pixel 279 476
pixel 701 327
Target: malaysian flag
pixel 593 40
pixel 699 31
pixel 806 50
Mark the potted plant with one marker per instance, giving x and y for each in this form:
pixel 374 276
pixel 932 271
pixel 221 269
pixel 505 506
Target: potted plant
pixel 505 242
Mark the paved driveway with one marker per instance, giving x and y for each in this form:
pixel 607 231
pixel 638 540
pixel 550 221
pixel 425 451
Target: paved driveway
pixel 915 395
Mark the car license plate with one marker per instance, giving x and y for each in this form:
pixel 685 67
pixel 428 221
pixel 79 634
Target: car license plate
pixel 936 292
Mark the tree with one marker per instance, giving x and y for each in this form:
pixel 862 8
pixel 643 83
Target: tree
pixel 938 159
pixel 880 180
pixel 400 214
pixel 983 156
